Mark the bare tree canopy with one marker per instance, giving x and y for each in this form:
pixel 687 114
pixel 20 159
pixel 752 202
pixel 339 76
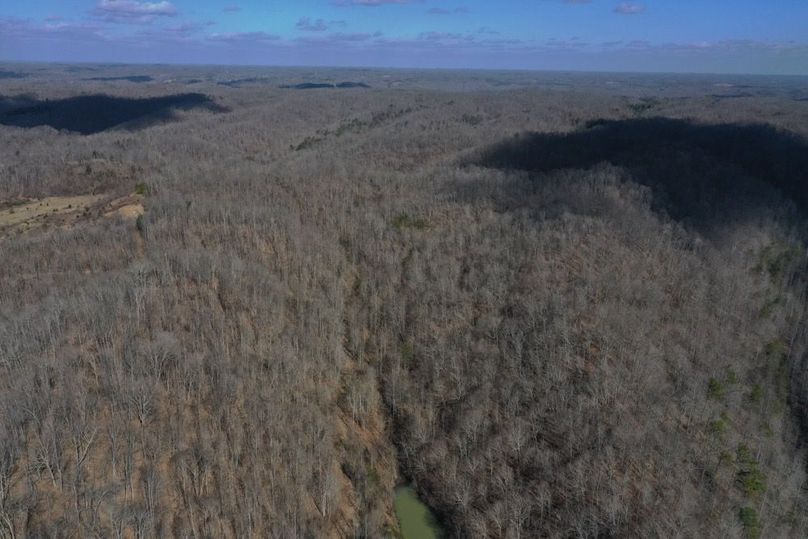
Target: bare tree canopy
pixel 555 305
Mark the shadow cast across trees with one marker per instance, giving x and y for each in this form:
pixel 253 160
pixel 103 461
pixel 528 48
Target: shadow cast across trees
pixel 5 74
pixel 90 114
pixel 698 173
pixel 709 177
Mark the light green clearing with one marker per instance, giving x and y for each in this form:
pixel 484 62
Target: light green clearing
pixel 415 518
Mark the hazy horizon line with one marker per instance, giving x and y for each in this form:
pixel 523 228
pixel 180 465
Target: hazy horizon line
pixel 407 68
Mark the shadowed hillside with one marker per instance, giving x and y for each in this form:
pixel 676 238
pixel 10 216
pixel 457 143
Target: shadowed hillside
pixel 697 171
pixel 321 85
pixel 707 176
pixel 89 114
pixel 4 74
pixel 127 78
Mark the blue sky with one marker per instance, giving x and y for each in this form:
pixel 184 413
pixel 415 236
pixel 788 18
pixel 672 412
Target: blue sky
pixel 736 36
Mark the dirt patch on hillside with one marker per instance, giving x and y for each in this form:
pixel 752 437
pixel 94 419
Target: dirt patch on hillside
pixel 128 207
pixel 27 215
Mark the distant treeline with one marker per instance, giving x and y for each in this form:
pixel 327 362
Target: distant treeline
pixel 315 85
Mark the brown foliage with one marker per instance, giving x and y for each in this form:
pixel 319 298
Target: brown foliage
pixel 290 328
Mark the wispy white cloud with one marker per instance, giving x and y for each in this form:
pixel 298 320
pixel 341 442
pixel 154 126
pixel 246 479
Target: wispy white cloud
pixel 724 46
pixel 340 39
pixel 133 11
pixel 572 44
pixel 28 30
pixel 243 37
pixel 97 39
pixel 462 10
pixel 187 28
pixel 371 3
pixel 629 8
pixel 446 36
pixel 307 25
pixel 355 36
pixel 183 33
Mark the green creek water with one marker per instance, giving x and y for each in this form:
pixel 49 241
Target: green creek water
pixel 415 518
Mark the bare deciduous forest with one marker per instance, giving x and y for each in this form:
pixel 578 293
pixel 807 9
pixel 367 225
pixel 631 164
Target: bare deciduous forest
pixel 245 302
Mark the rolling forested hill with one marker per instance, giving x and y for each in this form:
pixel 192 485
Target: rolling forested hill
pixel 251 304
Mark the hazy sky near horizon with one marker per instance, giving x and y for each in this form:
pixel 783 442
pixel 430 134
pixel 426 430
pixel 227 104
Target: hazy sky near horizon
pixel 720 36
